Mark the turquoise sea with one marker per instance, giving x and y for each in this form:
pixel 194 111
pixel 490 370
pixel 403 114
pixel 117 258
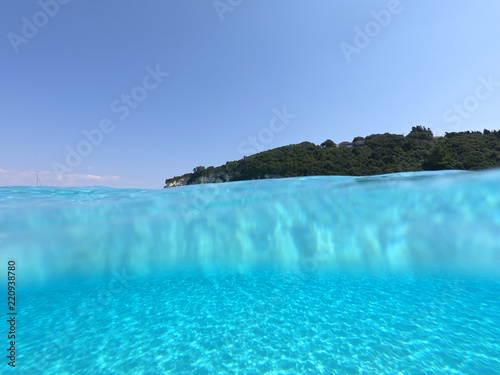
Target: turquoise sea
pixel 391 274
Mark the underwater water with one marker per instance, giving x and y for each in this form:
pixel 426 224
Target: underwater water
pixel 387 274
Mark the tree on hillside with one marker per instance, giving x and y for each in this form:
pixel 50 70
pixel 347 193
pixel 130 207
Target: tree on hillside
pixel 438 159
pixel 420 132
pixel 328 143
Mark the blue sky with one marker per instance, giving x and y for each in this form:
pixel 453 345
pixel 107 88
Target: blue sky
pixel 164 86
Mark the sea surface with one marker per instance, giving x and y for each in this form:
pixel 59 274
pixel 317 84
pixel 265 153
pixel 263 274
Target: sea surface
pixel 391 274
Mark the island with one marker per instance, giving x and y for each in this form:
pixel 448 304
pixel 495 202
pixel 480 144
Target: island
pixel 374 154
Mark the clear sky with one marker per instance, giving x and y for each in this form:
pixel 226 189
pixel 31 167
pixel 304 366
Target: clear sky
pixel 129 93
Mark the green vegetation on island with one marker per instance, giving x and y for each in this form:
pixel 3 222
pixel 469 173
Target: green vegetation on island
pixel 374 154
